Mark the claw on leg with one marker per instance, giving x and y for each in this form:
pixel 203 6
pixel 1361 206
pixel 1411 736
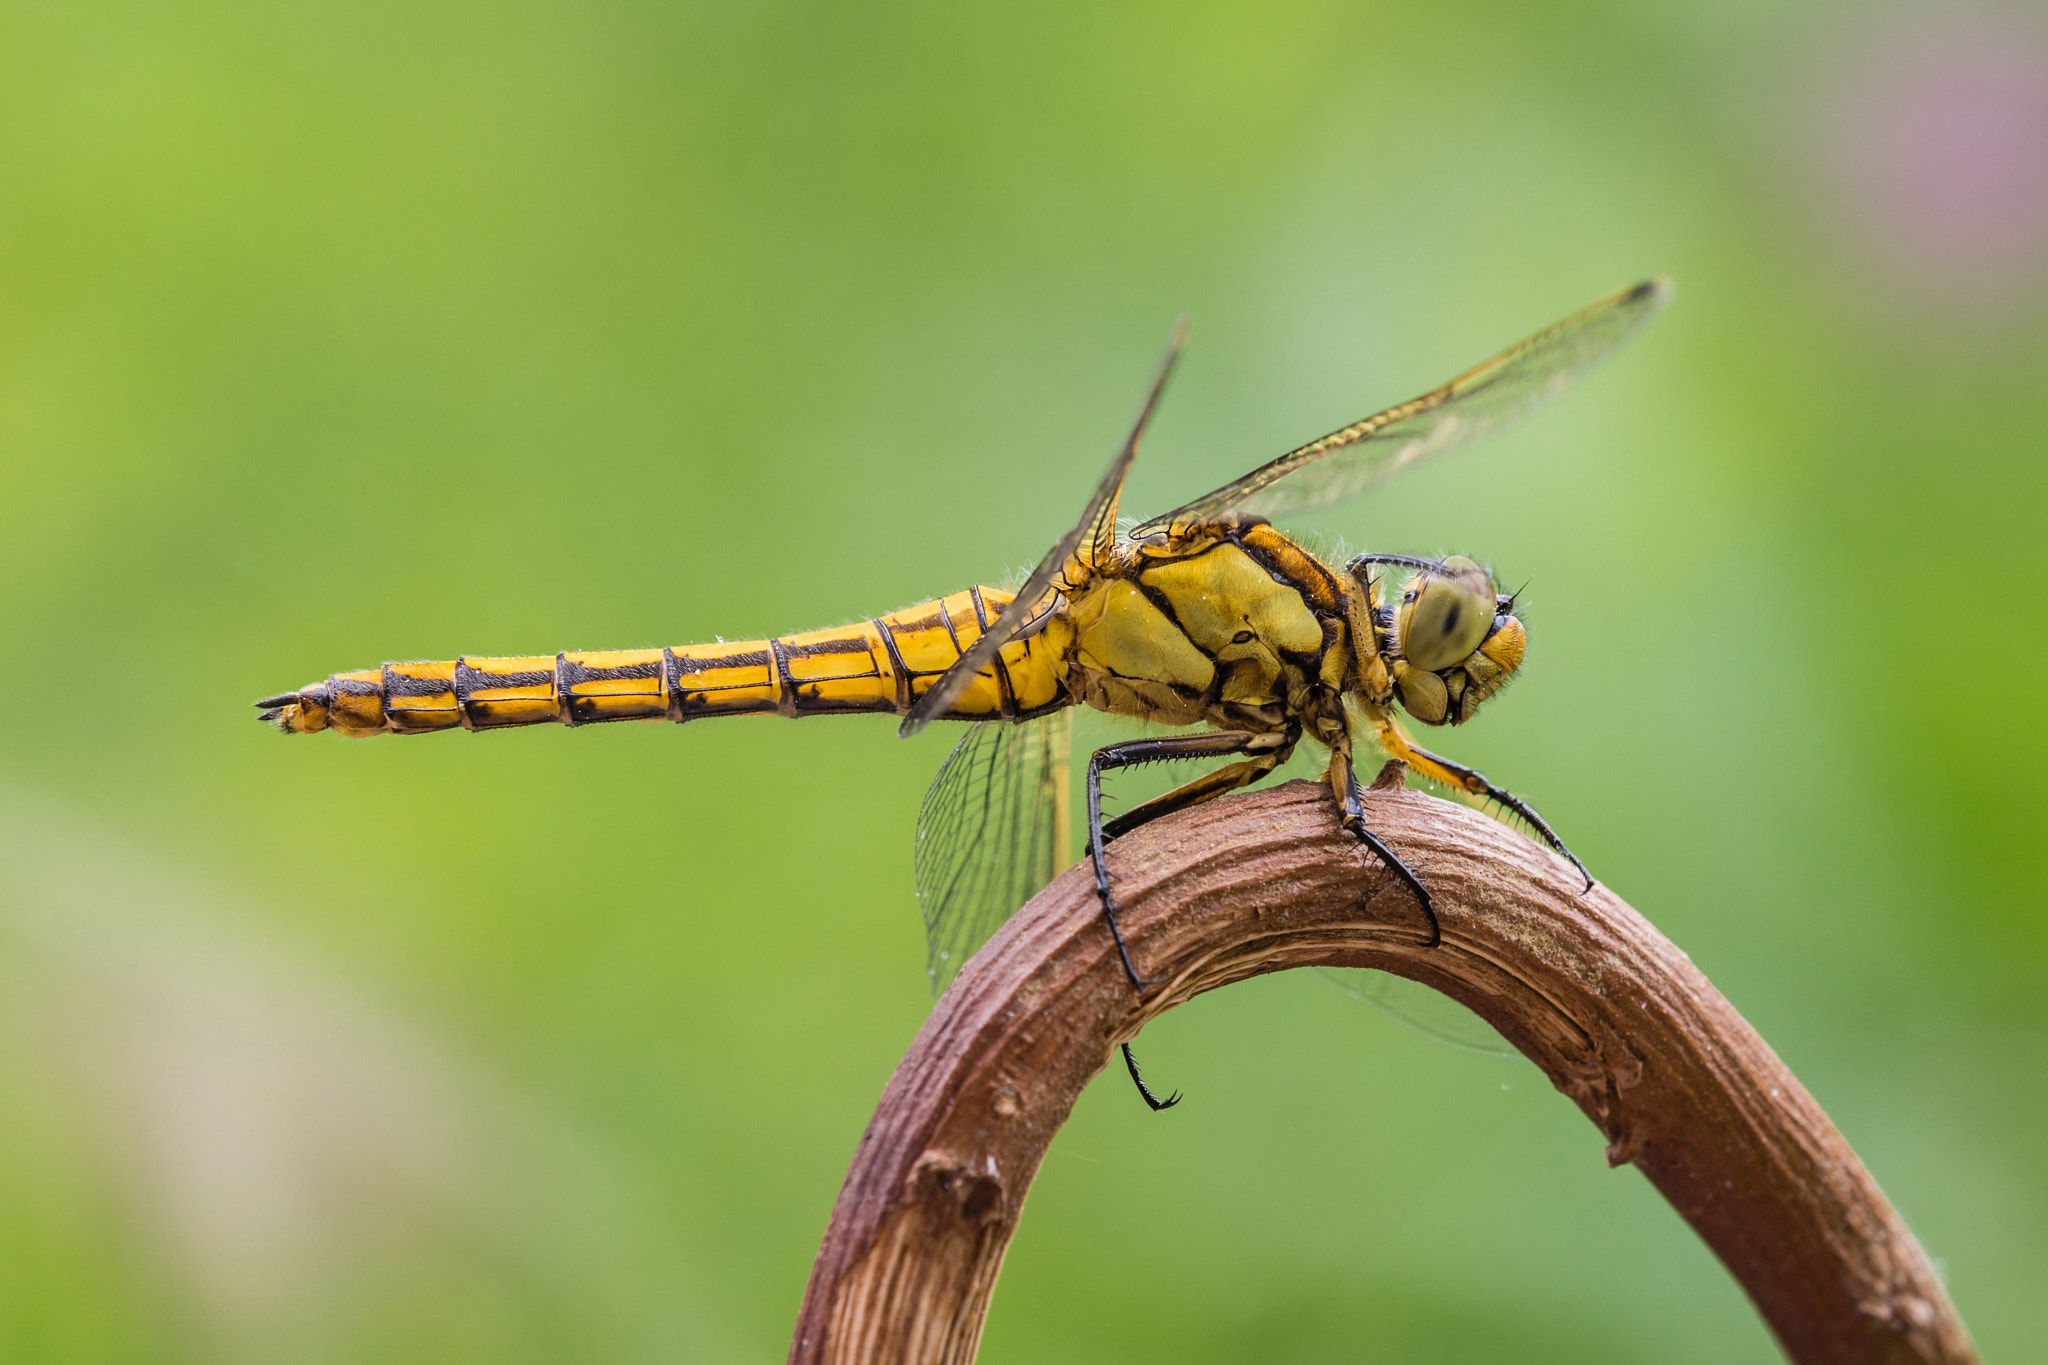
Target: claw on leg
pixel 1131 1065
pixel 1472 782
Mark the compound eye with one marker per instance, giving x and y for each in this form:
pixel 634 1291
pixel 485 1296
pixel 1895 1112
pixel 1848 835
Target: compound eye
pixel 1447 615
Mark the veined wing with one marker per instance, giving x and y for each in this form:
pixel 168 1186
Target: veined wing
pixel 991 832
pixel 1097 529
pixel 1419 1009
pixel 1477 403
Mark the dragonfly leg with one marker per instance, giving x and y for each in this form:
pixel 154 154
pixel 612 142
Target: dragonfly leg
pixel 1473 782
pixel 1352 800
pixel 1267 752
pixel 1131 1065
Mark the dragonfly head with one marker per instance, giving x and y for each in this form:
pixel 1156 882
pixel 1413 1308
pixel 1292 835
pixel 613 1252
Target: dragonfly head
pixel 1458 641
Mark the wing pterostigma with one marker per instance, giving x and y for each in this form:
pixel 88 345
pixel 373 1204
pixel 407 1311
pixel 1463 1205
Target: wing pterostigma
pixel 991 832
pixel 1487 397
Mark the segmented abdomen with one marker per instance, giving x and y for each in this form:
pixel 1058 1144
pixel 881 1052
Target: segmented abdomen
pixel 881 664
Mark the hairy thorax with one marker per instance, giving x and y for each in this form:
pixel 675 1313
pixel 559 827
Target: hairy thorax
pixel 1235 627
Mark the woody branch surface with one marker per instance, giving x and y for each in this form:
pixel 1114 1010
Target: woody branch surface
pixel 1616 1016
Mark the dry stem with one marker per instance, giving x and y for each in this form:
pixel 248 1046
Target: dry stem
pixel 1617 1017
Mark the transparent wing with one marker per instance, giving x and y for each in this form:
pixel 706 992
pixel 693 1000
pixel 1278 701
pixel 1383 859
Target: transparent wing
pixel 1097 528
pixel 1419 1009
pixel 991 832
pixel 1480 401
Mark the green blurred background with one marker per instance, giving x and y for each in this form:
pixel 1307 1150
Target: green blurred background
pixel 337 334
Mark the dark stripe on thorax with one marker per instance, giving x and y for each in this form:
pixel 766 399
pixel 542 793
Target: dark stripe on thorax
pixel 1325 591
pixel 1313 659
pixel 1165 604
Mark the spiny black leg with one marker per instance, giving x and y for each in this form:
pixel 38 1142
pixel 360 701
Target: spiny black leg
pixel 1126 755
pixel 1401 561
pixel 1354 820
pixel 1131 1063
pixel 1527 813
pixel 1475 783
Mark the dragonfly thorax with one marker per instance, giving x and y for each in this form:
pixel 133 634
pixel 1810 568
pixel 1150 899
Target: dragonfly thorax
pixel 1208 627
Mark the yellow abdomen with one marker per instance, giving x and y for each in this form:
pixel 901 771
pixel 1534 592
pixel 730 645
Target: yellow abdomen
pixel 881 665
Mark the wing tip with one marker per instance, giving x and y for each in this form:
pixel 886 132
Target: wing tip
pixel 1658 290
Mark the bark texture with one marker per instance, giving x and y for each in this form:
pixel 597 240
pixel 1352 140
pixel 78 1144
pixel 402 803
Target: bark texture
pixel 1613 1013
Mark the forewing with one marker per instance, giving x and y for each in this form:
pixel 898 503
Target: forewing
pixel 1097 529
pixel 991 832
pixel 1480 401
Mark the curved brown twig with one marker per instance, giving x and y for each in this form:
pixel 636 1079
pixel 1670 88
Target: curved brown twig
pixel 1617 1017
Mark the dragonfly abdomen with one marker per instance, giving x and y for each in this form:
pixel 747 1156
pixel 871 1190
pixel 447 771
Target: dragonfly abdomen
pixel 878 665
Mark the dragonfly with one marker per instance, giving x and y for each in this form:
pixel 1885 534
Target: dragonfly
pixel 1207 621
